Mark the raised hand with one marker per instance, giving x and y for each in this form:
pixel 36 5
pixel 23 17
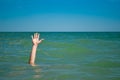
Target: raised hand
pixel 35 39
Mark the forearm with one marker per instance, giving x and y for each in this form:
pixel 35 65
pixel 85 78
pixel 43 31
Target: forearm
pixel 33 55
pixel 35 41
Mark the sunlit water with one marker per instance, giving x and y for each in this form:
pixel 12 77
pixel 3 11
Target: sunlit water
pixel 61 56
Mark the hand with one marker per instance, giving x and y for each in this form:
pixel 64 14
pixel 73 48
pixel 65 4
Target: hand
pixel 35 39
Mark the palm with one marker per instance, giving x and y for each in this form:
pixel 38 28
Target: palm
pixel 35 39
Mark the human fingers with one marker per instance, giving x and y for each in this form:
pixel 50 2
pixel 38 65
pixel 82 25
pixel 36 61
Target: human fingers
pixel 35 36
pixel 38 36
pixel 42 39
pixel 32 37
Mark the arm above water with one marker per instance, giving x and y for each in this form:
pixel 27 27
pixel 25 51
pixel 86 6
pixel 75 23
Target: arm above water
pixel 36 42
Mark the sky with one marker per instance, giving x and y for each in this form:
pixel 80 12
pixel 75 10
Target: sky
pixel 59 15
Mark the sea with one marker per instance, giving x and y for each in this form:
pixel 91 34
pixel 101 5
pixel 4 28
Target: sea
pixel 61 56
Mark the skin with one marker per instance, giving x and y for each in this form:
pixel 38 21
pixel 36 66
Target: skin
pixel 36 42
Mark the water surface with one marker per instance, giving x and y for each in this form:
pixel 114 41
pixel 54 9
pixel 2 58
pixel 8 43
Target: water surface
pixel 61 56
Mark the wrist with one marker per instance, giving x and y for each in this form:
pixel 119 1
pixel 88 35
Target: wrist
pixel 35 45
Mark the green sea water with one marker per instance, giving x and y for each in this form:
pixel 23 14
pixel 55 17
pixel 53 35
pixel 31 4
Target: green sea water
pixel 61 56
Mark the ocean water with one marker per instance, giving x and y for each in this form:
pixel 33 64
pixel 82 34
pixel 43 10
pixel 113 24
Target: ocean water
pixel 61 56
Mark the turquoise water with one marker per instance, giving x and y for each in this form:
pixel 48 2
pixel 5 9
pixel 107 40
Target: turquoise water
pixel 61 56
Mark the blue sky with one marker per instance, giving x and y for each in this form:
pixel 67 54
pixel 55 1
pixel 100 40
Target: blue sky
pixel 60 15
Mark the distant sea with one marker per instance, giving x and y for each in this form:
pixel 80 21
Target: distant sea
pixel 61 56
